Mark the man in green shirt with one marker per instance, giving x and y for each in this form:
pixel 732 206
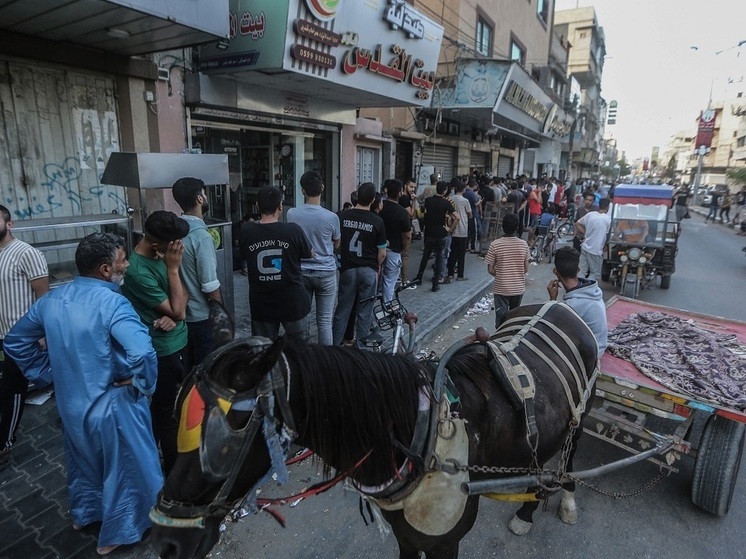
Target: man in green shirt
pixel 154 287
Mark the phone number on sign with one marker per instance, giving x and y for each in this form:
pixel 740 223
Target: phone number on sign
pixel 314 57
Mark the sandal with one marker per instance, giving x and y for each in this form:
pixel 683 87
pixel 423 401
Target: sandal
pixel 106 550
pixel 462 279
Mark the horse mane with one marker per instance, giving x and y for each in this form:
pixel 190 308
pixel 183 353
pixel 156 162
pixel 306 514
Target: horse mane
pixel 357 403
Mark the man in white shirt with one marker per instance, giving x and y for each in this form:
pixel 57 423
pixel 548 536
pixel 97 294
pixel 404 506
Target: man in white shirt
pixel 595 226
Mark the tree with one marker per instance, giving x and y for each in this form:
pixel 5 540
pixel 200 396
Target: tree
pixel 738 176
pixel 623 167
pixel 671 167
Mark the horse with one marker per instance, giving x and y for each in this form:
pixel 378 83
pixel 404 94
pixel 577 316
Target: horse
pixel 358 411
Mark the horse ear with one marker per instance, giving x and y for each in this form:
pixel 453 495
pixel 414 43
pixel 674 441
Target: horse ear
pixel 267 359
pixel 221 324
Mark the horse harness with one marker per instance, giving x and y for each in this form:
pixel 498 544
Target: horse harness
pixel 222 458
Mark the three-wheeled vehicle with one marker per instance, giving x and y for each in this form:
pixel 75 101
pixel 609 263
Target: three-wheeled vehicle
pixel 642 241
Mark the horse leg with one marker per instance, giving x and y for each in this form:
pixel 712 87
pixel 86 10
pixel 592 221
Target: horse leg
pixel 568 510
pixel 446 551
pixel 523 520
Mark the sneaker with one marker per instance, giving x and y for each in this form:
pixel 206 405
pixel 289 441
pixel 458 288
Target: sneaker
pixel 4 458
pixel 436 287
pixel 413 286
pixel 462 279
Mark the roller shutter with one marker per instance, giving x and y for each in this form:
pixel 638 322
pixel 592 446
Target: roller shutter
pixel 504 165
pixel 480 161
pixel 443 158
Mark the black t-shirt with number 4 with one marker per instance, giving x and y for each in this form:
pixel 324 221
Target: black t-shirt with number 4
pixel 363 233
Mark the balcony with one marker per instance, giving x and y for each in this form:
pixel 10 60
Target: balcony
pixel 739 154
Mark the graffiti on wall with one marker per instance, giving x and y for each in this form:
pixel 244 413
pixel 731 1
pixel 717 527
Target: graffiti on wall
pixel 96 138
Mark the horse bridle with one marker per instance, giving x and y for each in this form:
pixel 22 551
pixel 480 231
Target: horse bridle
pixel 236 443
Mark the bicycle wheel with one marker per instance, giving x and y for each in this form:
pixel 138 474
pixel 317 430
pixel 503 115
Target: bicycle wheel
pixel 567 229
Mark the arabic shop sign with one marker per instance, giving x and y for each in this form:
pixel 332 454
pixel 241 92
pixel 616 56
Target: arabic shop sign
pixel 390 50
pixel 523 100
pixel 256 34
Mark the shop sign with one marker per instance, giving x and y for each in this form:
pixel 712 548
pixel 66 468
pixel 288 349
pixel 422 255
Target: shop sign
pixel 478 84
pixel 523 102
pixel 557 123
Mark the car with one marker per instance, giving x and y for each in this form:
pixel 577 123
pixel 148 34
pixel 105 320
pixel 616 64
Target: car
pixel 642 242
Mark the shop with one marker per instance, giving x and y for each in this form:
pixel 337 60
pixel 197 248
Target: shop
pixel 281 96
pixel 499 100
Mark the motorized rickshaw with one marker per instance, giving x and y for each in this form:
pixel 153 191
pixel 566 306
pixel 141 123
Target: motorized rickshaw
pixel 642 241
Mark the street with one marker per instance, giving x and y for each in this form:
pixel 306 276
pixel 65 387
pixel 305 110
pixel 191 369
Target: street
pixel 661 523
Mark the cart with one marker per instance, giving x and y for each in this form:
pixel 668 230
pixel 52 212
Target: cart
pixel 652 422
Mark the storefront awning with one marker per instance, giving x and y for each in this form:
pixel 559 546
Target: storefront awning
pixel 501 98
pixel 355 54
pixel 123 27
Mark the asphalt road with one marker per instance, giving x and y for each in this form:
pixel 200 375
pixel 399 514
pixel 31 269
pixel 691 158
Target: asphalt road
pixel 661 523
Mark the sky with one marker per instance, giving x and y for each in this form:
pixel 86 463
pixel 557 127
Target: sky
pixel 659 81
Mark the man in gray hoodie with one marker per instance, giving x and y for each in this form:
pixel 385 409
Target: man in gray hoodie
pixel 583 295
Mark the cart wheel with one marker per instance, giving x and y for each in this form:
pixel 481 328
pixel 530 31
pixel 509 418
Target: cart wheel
pixel 717 464
pixel 665 282
pixel 567 229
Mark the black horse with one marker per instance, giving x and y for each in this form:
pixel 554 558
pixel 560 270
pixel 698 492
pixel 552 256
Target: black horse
pixel 358 412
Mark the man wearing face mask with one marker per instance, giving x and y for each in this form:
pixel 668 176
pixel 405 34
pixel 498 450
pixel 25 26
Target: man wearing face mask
pixel 23 279
pixel 154 287
pixel 101 361
pixel 198 268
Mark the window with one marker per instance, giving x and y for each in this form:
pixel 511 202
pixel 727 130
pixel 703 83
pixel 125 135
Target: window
pixel 484 37
pixel 542 10
pixel 517 53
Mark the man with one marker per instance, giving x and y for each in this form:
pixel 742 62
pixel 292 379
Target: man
pixel 632 231
pixel 398 226
pixel 362 251
pixel 535 207
pixel 714 206
pixel 321 227
pixel 740 205
pixel 681 201
pixel 23 279
pixel 507 260
pixel 583 295
pixel 198 268
pixel 594 227
pixel 273 251
pixel 101 361
pixel 154 287
pixel 587 206
pixel 474 226
pixel 408 200
pixel 438 212
pixel 460 234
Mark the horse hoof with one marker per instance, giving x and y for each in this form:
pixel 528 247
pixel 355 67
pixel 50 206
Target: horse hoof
pixel 568 511
pixel 519 527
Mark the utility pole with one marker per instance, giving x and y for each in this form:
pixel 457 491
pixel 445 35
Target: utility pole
pixel 701 151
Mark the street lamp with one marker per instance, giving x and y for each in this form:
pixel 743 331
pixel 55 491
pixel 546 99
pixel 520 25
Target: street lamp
pixel 618 169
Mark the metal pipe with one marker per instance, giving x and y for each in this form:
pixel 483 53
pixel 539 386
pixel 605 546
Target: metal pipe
pixel 515 483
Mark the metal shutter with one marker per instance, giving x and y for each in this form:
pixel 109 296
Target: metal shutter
pixel 480 160
pixel 443 158
pixel 504 165
pixel 529 161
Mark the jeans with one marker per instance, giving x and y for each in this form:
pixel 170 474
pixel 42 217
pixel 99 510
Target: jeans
pixel 293 328
pixel 322 284
pixel 443 271
pixel 165 423
pixel 504 303
pixel 432 245
pixel 391 268
pixel 199 343
pixel 712 214
pixel 457 257
pixel 360 282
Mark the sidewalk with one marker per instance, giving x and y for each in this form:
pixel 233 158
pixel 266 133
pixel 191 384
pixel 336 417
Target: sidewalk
pixel 34 519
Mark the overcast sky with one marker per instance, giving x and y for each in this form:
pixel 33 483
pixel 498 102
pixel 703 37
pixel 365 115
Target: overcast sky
pixel 661 83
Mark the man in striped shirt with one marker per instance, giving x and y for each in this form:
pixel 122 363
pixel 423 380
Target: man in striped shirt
pixel 23 279
pixel 507 260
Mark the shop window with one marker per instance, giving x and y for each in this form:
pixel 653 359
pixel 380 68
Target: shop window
pixel 484 37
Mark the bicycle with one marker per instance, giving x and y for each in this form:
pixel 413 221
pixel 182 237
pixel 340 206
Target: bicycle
pixel 392 316
pixel 566 226
pixel 545 244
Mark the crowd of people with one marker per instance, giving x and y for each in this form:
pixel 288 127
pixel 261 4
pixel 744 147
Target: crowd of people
pixel 118 340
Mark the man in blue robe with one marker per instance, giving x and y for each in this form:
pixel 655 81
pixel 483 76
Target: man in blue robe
pixel 103 366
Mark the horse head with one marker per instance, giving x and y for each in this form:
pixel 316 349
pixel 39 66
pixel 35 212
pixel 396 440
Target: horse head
pixel 230 415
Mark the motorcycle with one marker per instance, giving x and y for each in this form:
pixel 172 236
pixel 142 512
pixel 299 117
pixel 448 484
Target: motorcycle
pixel 635 272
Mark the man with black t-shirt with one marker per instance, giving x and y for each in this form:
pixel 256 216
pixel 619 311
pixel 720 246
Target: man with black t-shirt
pixel 398 234
pixel 362 250
pixel 273 251
pixel 437 210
